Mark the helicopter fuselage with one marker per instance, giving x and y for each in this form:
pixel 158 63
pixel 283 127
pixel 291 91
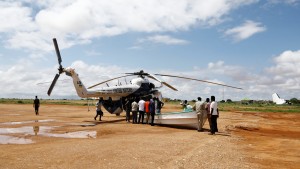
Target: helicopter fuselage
pixel 113 95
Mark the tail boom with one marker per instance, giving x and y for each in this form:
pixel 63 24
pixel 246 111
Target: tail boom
pixel 79 86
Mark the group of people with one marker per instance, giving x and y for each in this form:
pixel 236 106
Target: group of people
pixel 207 110
pixel 141 106
pixel 138 107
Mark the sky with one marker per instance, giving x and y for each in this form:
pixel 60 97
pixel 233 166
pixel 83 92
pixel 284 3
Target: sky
pixel 252 44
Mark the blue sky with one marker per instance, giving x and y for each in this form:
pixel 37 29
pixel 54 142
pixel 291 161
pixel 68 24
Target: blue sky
pixel 251 44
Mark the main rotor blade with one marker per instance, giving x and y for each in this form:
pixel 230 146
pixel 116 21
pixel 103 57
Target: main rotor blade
pixel 154 78
pixel 108 81
pixel 165 83
pixel 57 51
pixel 205 81
pixel 52 84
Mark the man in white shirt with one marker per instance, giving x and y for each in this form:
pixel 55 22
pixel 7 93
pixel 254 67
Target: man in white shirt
pixel 141 110
pixel 134 109
pixel 214 115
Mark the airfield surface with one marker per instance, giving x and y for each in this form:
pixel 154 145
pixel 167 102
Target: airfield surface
pixel 68 137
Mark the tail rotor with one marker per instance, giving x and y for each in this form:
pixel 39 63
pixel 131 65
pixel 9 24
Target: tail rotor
pixel 60 68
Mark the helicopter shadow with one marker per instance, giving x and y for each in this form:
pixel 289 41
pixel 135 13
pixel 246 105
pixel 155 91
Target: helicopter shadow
pixel 104 121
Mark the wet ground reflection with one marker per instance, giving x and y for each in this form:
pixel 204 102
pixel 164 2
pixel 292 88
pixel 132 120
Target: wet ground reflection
pixel 14 140
pixel 36 130
pixel 26 122
pixel 10 114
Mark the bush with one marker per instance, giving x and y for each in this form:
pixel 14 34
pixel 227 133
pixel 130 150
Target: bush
pixel 294 101
pixel 229 101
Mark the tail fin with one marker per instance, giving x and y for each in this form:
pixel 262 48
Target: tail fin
pixel 277 99
pixel 79 86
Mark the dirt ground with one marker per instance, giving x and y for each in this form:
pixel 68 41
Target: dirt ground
pixel 68 137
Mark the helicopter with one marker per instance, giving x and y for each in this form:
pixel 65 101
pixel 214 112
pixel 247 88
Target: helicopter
pixel 113 96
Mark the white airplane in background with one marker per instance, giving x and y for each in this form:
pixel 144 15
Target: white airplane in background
pixel 277 99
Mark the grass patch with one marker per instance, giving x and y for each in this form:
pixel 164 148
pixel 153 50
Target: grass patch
pixel 259 107
pixel 233 106
pixel 42 101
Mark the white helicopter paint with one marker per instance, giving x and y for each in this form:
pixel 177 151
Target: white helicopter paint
pixel 115 92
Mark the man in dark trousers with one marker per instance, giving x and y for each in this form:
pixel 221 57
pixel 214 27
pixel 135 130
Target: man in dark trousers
pixel 127 108
pixel 99 111
pixel 152 111
pixel 36 105
pixel 214 115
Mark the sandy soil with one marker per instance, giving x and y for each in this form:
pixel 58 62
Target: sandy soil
pixel 246 140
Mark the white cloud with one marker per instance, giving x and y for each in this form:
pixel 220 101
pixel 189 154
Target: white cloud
pixel 164 39
pixel 288 2
pixel 287 65
pixel 256 86
pixel 236 73
pixel 80 21
pixel 245 31
pixel 93 53
pixel 32 24
pixel 14 17
pixel 283 77
pixel 19 84
pixel 135 47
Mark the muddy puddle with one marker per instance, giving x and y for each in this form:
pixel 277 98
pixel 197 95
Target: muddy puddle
pixel 14 140
pixel 19 135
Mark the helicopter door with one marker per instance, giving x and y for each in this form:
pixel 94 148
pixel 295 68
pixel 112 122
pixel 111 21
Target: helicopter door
pixel 113 106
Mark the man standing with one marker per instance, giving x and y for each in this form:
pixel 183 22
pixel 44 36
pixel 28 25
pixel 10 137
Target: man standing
pixel 147 110
pixel 36 105
pixel 200 108
pixel 158 105
pixel 99 111
pixel 141 110
pixel 207 107
pixel 127 107
pixel 152 111
pixel 134 109
pixel 214 115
